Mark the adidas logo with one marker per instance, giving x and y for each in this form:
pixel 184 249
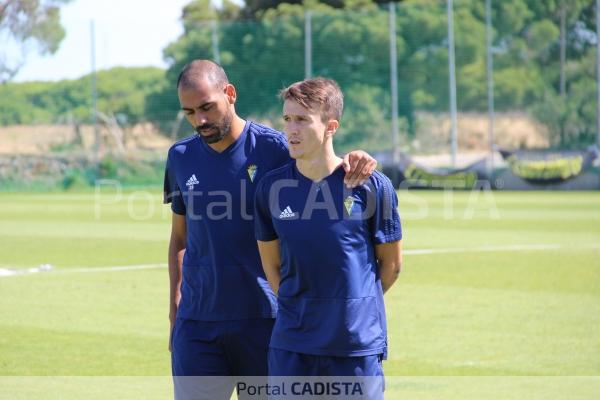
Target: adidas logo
pixel 191 182
pixel 287 213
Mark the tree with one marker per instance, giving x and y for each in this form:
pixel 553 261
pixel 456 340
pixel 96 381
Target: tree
pixel 28 23
pixel 263 51
pixel 122 92
pixel 562 31
pixel 255 7
pixel 162 104
pixel 272 48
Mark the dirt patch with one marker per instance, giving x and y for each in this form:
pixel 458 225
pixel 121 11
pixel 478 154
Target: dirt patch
pixel 511 130
pixel 46 139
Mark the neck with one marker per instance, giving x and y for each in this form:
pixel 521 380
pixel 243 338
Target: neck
pixel 319 167
pixel 237 127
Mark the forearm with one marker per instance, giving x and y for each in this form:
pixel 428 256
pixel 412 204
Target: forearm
pixel 273 275
pixel 389 272
pixel 176 251
pixel 271 262
pixel 389 275
pixel 389 262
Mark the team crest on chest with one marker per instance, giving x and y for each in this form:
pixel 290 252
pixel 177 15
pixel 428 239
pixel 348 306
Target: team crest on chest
pixel 348 203
pixel 252 171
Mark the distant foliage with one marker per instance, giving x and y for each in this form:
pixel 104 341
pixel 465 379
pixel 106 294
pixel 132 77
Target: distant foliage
pixel 122 92
pixel 351 44
pixel 261 47
pixel 29 25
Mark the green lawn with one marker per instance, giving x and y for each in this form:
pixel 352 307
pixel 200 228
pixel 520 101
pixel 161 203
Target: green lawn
pixel 478 309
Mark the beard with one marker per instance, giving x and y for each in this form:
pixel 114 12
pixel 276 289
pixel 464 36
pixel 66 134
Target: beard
pixel 219 129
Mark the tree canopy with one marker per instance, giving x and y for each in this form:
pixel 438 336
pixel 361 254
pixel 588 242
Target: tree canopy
pixel 29 25
pixel 350 43
pixel 121 92
pixel 543 51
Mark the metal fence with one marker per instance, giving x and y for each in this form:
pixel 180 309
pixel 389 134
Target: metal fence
pixel 458 75
pixel 422 77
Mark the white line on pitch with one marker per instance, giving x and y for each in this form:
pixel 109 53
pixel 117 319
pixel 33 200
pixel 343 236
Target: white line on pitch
pixel 5 272
pixel 511 248
pixel 115 268
pixel 484 249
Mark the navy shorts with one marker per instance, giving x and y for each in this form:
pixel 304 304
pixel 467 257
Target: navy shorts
pixel 336 377
pixel 289 363
pixel 202 349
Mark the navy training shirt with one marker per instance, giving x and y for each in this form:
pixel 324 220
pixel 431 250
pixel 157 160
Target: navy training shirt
pixel 330 296
pixel 223 277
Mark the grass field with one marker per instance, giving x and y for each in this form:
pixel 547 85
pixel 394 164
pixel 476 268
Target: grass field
pixel 499 296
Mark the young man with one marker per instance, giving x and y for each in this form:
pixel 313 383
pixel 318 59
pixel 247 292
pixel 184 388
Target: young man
pixel 221 306
pixel 328 252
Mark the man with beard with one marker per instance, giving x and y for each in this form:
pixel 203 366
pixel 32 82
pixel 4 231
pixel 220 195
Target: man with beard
pixel 221 305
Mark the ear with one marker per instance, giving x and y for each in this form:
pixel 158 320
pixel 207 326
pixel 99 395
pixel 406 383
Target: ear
pixel 332 126
pixel 230 93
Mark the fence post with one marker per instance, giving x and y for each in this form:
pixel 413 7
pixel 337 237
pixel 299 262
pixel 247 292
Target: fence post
pixel 215 41
pixel 394 90
pixel 490 80
pixel 96 155
pixel 598 70
pixel 452 80
pixel 307 44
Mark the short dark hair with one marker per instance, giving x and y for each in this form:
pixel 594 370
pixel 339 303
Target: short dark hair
pixel 198 70
pixel 322 91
